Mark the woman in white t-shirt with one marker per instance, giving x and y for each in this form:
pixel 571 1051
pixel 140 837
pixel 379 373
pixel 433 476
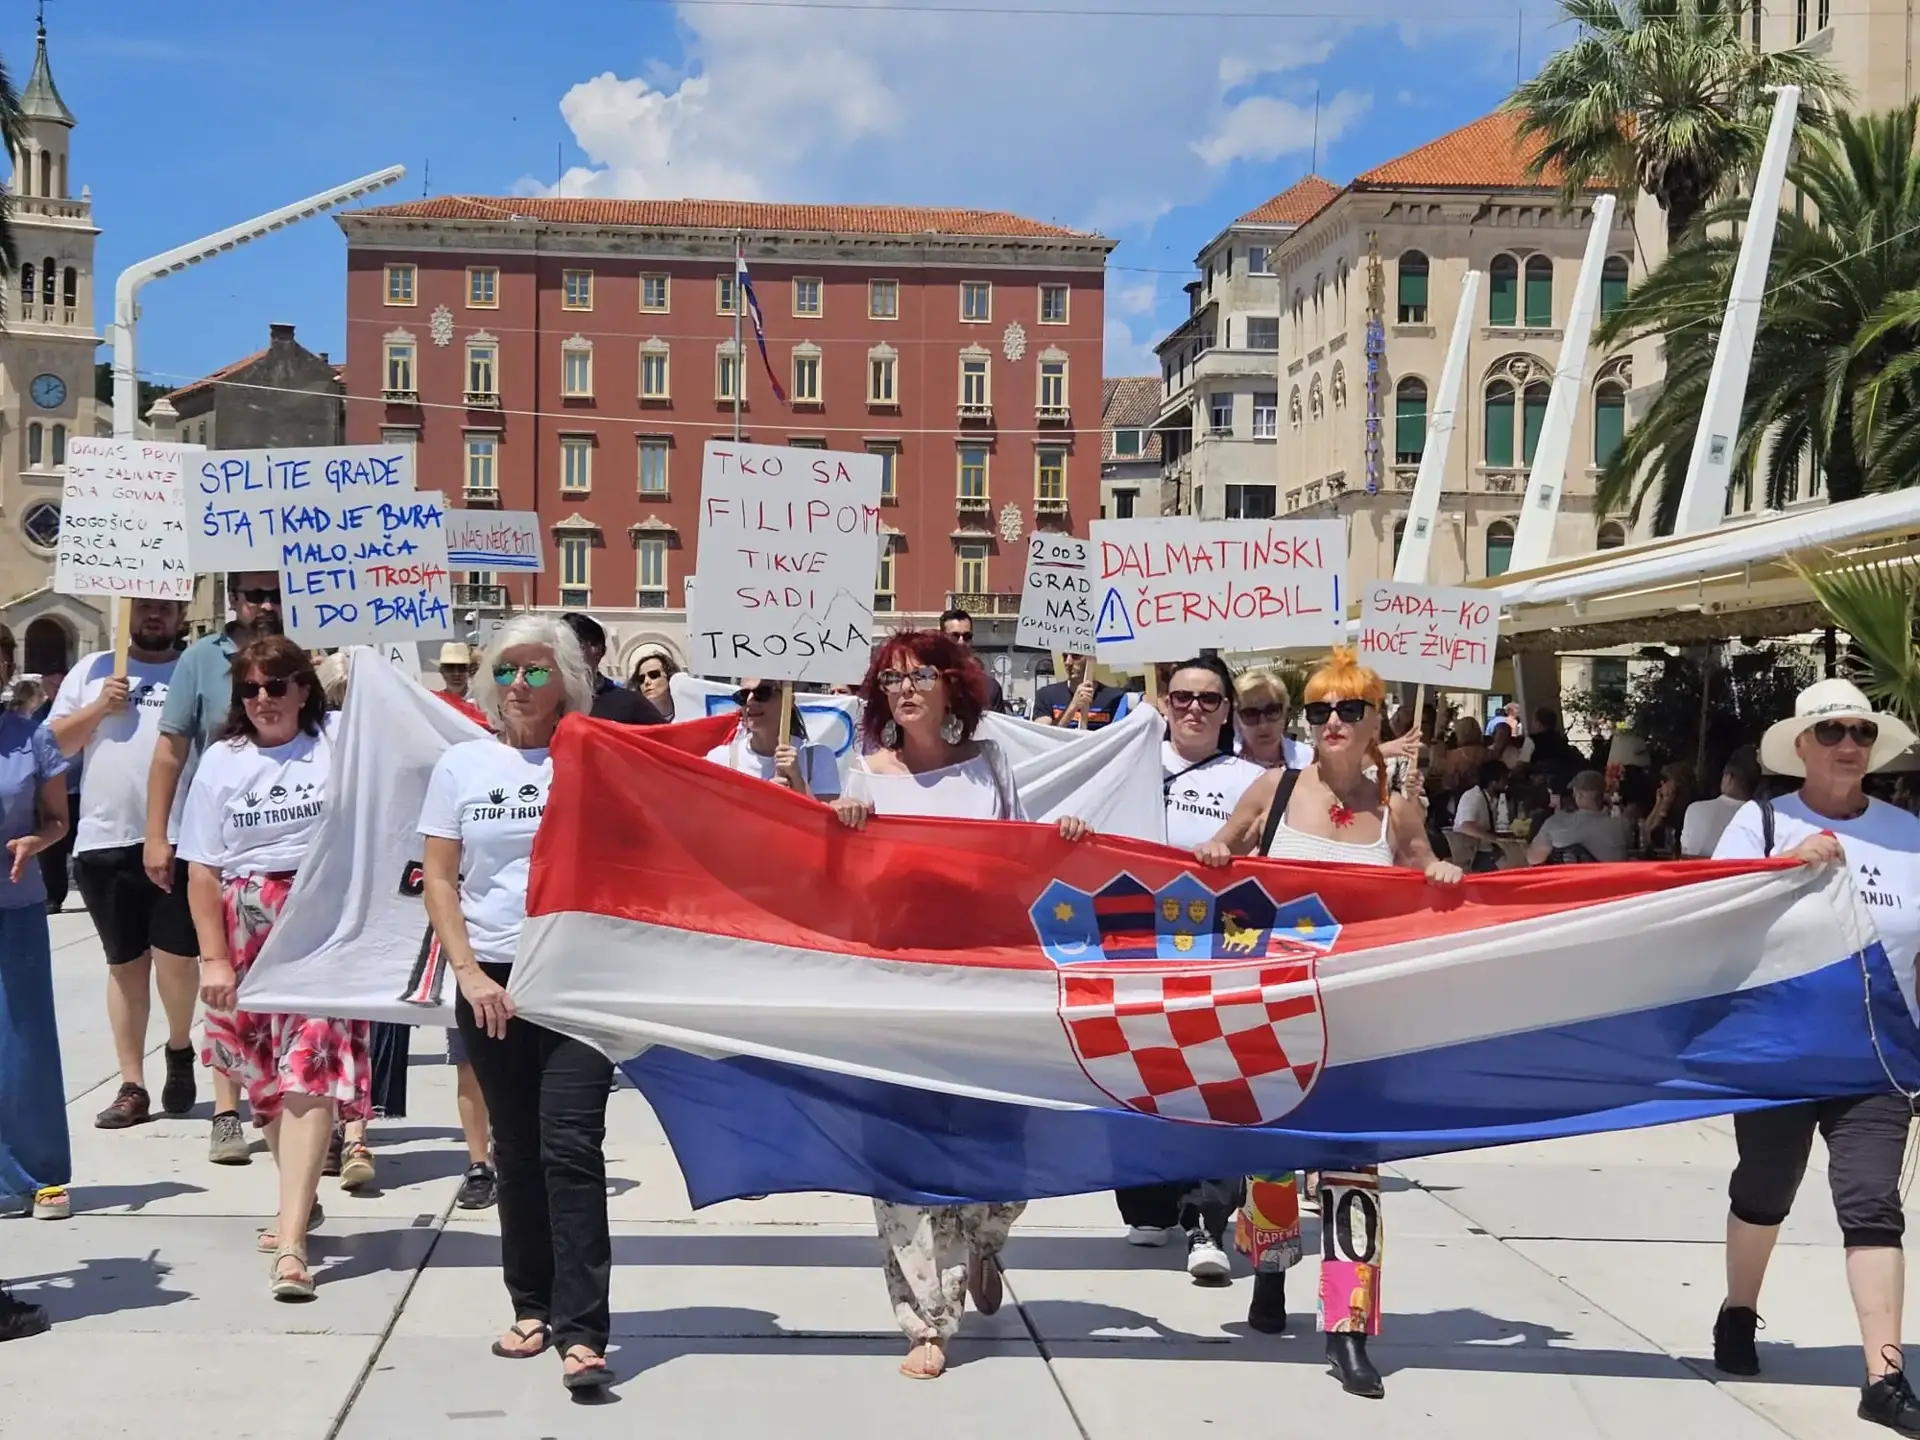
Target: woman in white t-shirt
pixel 755 748
pixel 254 808
pixel 546 1093
pixel 924 694
pixel 1201 777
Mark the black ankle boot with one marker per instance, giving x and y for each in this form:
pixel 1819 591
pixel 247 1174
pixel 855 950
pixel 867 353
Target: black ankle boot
pixel 1268 1311
pixel 1348 1355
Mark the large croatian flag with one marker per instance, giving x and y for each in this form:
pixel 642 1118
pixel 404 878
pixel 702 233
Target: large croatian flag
pixel 936 1010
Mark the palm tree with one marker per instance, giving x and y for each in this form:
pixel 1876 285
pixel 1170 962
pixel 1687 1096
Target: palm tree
pixel 1831 378
pixel 1876 605
pixel 1663 96
pixel 13 134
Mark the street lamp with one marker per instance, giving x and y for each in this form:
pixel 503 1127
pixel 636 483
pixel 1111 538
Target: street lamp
pixel 126 290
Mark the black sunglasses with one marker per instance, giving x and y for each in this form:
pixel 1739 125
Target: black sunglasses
pixel 759 694
pixel 1831 732
pixel 277 688
pixel 259 596
pixel 1350 711
pixel 653 674
pixel 1205 701
pixel 1262 714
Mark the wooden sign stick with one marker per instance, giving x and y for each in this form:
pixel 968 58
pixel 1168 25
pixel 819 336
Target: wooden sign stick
pixel 122 634
pixel 786 712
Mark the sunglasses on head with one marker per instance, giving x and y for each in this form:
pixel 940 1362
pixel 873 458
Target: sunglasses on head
pixel 276 688
pixel 1262 714
pixel 759 694
pixel 260 596
pixel 534 675
pixel 1350 711
pixel 921 677
pixel 1832 732
pixel 1205 701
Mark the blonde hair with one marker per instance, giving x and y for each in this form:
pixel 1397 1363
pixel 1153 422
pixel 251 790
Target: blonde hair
pixel 1262 683
pixel 1343 677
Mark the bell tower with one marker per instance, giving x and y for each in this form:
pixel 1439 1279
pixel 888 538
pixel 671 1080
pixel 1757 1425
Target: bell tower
pixel 40 169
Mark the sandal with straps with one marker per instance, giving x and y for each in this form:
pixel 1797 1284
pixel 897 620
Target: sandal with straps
pixel 541 1332
pixel 298 1286
pixel 590 1376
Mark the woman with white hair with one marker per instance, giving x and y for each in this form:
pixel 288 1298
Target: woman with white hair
pixel 547 1094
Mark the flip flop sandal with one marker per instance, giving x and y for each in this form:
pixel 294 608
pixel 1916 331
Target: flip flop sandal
pixel 940 1365
pixel 288 1287
pixel 266 1242
pixel 541 1330
pixel 591 1377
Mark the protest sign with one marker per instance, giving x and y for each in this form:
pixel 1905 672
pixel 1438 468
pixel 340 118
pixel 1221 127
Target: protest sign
pixel 241 504
pixel 495 540
pixel 1439 635
pixel 1167 588
pixel 1056 602
pixel 366 570
pixel 123 520
pixel 785 565
pixel 404 657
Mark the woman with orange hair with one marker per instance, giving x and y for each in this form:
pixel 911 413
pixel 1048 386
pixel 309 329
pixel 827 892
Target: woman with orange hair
pixel 1339 809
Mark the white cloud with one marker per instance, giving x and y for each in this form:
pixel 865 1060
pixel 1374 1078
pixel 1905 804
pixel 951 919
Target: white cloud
pixel 1126 353
pixel 1131 297
pixel 1265 127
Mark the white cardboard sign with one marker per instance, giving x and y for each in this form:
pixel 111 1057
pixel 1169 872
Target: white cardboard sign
pixel 1056 601
pixel 123 520
pixel 785 565
pixel 374 572
pixel 495 540
pixel 1439 635
pixel 242 505
pixel 1165 589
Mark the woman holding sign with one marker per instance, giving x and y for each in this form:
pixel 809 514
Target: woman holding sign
pixel 924 696
pixel 757 749
pixel 1339 809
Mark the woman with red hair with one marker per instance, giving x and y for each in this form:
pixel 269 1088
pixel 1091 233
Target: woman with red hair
pixel 1339 810
pixel 923 697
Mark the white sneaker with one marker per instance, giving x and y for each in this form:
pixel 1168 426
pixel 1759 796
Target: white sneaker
pixel 1148 1236
pixel 1206 1260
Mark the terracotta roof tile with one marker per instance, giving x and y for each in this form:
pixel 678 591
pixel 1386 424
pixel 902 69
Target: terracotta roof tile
pixel 1130 402
pixel 1295 205
pixel 732 215
pixel 1484 155
pixel 221 374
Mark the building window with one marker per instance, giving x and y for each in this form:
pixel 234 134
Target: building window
pixel 576 570
pixel 653 466
pixel 1053 387
pixel 576 464
pixel 400 367
pixel 883 299
pixel 36 445
pixel 1053 304
pixel 889 453
pixel 1050 478
pixel 806 378
pixel 970 568
pixel 41 524
pixel 59 445
pixel 400 284
pixel 26 284
pixel 881 379
pixel 576 371
pixel 1499 548
pixel 810 442
pixel 1533 419
pixel 1126 443
pixel 1259 260
pixel 1539 292
pixel 70 290
pixel 1399 534
pixel 727 375
pixel 1263 332
pixel 1409 421
pixel 482 368
pixel 725 298
pixel 650 570
pixel 883 591
pixel 1251 502
pixel 1266 414
pixel 1413 288
pixel 1123 503
pixel 1503 290
pixel 483 288
pixel 1609 421
pixel 1499 423
pixel 1612 536
pixel 654 294
pixel 1799 21
pixel 806 296
pixel 483 476
pixel 396 434
pixel 973 474
pixel 976 300
pixel 973 384
pixel 1613 285
pixel 1220 414
pixel 653 372
pixel 576 290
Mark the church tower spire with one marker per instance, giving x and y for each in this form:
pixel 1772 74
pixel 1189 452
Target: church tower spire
pixel 40 169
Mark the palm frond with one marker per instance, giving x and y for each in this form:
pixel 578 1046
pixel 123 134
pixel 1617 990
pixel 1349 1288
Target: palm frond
pixel 1875 605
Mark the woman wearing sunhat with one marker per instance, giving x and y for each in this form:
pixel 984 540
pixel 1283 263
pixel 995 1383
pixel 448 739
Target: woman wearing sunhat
pixel 1835 738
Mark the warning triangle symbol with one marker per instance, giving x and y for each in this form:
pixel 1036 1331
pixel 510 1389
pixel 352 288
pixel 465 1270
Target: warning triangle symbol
pixel 1113 624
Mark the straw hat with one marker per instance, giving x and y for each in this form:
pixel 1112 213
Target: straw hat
pixel 1831 700
pixel 454 653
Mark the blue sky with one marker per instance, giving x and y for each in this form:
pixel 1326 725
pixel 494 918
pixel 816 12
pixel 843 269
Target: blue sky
pixel 1155 130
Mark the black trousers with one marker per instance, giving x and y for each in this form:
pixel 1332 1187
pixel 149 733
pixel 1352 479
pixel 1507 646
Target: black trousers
pixel 1183 1205
pixel 1866 1144
pixel 53 861
pixel 547 1096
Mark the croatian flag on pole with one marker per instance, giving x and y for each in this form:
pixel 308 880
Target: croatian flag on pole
pixel 759 327
pixel 937 1010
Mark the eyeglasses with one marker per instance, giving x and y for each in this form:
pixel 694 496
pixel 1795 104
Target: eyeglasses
pixel 759 694
pixel 260 596
pixel 961 637
pixel 1350 711
pixel 1205 701
pixel 653 674
pixel 276 688
pixel 1831 732
pixel 1262 714
pixel 535 675
pixel 920 678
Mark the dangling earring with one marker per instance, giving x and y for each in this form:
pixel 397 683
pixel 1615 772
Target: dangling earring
pixel 950 730
pixel 890 735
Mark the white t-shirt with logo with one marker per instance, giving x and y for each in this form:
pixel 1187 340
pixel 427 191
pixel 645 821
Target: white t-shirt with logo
pixel 113 776
pixel 816 763
pixel 490 797
pixel 254 810
pixel 1202 796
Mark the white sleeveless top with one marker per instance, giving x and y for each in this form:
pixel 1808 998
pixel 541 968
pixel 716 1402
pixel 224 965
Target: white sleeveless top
pixel 1291 844
pixel 981 788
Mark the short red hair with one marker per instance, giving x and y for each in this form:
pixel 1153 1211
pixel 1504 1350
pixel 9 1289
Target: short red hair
pixel 905 650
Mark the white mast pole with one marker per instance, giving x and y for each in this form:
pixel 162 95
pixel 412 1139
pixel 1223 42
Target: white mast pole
pixel 1411 568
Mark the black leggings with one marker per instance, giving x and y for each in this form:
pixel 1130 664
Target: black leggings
pixel 1866 1144
pixel 1184 1205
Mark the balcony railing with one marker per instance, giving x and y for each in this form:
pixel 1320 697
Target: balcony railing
pixel 51 208
pixel 483 399
pixel 35 314
pixel 481 597
pixel 482 494
pixel 984 604
pixel 397 396
pixel 1052 414
pixel 973 504
pixel 970 410
pixel 1050 505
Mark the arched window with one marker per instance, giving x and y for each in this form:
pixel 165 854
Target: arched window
pixel 1539 292
pixel 26 284
pixel 46 172
pixel 1413 289
pixel 59 444
pixel 1503 292
pixel 70 287
pixel 36 445
pixel 1609 421
pixel 1409 421
pixel 1533 417
pixel 1613 284
pixel 48 277
pixel 1399 534
pixel 1611 537
pixel 1499 548
pixel 1499 423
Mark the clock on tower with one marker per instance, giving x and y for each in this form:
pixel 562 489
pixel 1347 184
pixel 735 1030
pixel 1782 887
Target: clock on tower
pixel 49 391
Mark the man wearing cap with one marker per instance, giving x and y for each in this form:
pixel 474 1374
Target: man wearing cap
pixel 610 701
pixel 456 675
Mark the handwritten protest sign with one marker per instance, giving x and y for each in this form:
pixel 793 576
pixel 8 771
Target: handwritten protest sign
pixel 1056 603
pixel 366 569
pixel 1166 588
pixel 495 540
pixel 242 504
pixel 785 566
pixel 123 520
pixel 1438 635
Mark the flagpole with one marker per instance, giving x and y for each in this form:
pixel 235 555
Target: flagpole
pixel 739 353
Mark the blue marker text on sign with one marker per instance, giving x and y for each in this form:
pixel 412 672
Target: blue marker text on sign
pixel 243 503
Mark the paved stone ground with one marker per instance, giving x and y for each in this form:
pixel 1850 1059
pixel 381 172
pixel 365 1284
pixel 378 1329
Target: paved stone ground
pixel 1564 1290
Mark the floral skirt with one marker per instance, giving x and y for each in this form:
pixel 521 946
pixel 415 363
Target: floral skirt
pixel 274 1056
